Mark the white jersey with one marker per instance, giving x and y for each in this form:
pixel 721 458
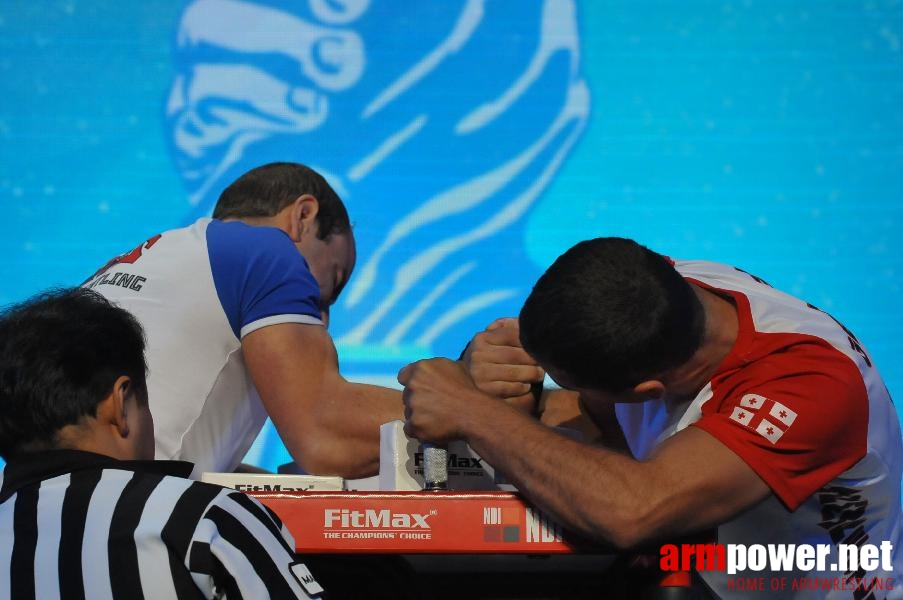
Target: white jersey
pixel 800 401
pixel 197 291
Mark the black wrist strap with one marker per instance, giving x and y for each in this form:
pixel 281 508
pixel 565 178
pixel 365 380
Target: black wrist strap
pixel 536 389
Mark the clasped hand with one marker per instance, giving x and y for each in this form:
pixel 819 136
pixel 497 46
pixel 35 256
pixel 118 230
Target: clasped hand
pixel 440 395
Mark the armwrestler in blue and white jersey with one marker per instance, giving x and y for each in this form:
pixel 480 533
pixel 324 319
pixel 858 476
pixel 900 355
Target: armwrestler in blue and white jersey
pixel 235 309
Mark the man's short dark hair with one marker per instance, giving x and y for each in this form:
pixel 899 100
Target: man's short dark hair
pixel 60 354
pixel 610 313
pixel 266 190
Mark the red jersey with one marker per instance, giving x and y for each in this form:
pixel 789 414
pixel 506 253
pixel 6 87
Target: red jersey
pixel 800 401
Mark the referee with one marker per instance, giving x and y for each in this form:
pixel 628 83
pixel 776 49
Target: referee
pixel 82 513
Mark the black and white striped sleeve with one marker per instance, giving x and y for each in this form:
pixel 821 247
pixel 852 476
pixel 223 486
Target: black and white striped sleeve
pixel 241 550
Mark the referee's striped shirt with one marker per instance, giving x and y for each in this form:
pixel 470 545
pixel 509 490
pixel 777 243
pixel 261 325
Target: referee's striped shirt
pixel 77 525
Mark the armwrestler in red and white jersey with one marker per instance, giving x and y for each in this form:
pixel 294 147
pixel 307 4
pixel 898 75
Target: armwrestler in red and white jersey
pixel 743 408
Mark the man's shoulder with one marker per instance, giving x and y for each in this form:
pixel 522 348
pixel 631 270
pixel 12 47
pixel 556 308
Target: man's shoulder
pixel 201 500
pixel 238 231
pixel 234 245
pixel 191 498
pixel 806 373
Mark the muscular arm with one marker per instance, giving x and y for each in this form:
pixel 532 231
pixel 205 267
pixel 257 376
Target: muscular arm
pixel 329 425
pixel 692 482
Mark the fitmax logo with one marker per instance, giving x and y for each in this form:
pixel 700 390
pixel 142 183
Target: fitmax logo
pixel 375 519
pixel 267 487
pixel 454 461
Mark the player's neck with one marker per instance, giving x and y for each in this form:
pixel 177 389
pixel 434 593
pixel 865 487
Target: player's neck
pixel 721 329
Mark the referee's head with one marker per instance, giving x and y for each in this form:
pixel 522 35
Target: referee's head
pixel 73 375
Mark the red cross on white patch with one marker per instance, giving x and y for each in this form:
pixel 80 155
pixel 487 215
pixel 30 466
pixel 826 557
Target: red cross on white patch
pixel 774 421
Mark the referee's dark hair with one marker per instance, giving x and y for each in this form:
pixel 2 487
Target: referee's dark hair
pixel 60 355
pixel 266 190
pixel 610 313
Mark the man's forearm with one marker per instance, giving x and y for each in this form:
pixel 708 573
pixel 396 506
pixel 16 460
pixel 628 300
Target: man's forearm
pixel 342 436
pixel 692 481
pixel 329 425
pixel 593 491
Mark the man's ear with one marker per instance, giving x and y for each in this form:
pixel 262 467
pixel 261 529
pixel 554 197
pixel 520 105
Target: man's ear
pixel 303 217
pixel 113 410
pixel 652 389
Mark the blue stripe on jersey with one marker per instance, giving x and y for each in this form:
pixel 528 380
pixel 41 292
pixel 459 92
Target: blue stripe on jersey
pixel 258 272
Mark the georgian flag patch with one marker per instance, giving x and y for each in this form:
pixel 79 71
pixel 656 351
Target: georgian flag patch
pixel 768 418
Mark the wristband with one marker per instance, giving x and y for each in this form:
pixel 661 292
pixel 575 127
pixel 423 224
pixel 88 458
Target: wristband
pixel 536 389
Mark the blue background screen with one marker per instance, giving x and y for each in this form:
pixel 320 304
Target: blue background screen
pixel 473 143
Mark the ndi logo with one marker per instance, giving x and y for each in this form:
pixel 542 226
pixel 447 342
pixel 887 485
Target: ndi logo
pixel 504 525
pixel 540 528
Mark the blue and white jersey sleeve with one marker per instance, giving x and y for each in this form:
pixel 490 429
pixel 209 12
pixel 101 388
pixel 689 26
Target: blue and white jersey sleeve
pixel 260 277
